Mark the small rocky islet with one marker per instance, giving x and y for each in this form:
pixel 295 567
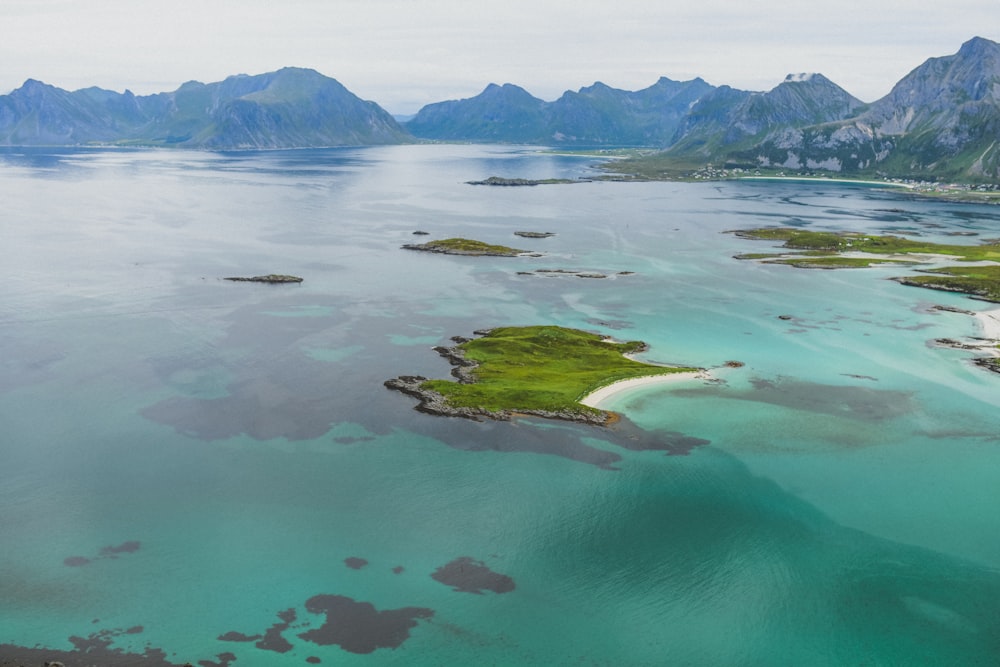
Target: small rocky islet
pixel 270 278
pixel 469 247
pixel 500 181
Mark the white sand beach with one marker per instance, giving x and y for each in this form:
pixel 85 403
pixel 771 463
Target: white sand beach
pixel 989 321
pixel 595 398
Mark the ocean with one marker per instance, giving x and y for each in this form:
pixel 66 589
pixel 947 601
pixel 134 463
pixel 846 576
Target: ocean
pixel 212 472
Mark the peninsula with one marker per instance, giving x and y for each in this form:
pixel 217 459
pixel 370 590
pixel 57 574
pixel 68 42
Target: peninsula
pixel 547 371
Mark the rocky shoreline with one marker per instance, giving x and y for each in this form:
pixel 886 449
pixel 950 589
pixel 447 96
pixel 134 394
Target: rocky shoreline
pixel 988 343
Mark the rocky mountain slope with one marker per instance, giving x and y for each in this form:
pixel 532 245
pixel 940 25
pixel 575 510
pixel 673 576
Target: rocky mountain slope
pixel 942 120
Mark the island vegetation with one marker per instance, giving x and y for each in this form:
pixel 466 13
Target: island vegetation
pixel 979 281
pixel 537 370
pixel 460 246
pixel 837 250
pixel 271 278
pixel 521 182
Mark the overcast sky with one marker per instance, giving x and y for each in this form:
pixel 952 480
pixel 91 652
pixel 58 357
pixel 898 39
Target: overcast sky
pixel 406 53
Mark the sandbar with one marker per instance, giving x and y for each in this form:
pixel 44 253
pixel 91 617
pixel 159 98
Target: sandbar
pixel 914 257
pixel 598 396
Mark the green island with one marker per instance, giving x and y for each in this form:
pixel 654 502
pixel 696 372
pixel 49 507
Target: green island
pixel 521 182
pixel 828 250
pixel 536 370
pixel 271 278
pixel 459 246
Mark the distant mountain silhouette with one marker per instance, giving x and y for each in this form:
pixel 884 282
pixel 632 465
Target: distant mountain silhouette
pixel 289 108
pixel 596 115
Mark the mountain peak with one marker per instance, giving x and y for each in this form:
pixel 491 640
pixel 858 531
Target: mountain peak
pixel 507 90
pixel 801 77
pixel 978 46
pixel 31 85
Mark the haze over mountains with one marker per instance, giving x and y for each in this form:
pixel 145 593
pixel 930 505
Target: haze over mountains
pixel 941 121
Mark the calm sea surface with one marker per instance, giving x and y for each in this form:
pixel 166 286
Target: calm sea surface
pixel 215 469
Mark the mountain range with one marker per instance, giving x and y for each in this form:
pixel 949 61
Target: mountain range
pixel 292 107
pixel 941 121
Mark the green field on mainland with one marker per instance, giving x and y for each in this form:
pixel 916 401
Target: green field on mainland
pixel 542 368
pixel 825 250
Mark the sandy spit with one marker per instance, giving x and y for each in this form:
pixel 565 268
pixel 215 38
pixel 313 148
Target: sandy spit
pixel 595 398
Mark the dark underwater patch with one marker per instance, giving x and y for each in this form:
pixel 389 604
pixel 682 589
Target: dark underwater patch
pixel 358 627
pixel 467 575
pixel 110 551
pixel 355 563
pixel 233 636
pixel 94 649
pixel 273 639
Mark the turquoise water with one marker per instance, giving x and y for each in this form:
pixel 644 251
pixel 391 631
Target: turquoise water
pixel 199 458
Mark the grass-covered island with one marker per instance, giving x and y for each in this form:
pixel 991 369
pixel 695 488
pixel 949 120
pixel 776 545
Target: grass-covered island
pixel 521 182
pixel 458 246
pixel 536 370
pixel 840 250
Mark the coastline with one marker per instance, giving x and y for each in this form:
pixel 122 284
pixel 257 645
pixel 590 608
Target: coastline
pixel 989 322
pixel 602 394
pixel 821 179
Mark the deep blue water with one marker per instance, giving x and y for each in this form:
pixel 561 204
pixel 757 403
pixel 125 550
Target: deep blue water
pixel 207 467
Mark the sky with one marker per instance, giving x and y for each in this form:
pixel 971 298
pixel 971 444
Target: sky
pixel 404 54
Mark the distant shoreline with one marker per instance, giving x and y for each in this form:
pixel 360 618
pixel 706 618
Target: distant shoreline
pixel 823 179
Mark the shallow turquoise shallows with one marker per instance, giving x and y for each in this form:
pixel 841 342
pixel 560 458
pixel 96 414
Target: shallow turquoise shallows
pixel 210 468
